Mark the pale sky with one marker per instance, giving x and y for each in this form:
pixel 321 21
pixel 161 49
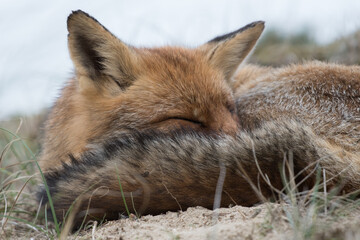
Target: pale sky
pixel 34 61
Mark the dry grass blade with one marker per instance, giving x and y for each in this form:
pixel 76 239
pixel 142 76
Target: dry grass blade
pixel 67 227
pixel 16 199
pixel 6 149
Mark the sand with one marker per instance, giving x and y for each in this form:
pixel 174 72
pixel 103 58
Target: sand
pixel 265 221
pixel 194 223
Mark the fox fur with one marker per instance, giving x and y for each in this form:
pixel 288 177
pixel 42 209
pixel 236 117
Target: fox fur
pixel 158 126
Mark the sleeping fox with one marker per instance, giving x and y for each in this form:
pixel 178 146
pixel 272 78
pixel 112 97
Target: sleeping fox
pixel 158 128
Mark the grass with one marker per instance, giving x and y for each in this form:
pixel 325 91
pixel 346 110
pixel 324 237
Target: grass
pixel 122 193
pixel 21 176
pixel 18 181
pixel 315 214
pixel 309 214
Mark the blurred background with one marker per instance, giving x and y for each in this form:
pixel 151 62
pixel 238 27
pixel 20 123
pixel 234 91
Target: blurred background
pixel 34 60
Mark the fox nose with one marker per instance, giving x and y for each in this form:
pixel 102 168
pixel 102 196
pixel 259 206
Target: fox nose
pixel 230 127
pixel 225 122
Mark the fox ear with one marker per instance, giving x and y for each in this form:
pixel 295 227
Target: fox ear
pixel 97 53
pixel 228 51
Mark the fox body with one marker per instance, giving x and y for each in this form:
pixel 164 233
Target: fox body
pixel 164 123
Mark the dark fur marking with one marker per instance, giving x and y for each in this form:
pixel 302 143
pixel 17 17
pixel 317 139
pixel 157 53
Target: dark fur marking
pixel 122 85
pixel 90 58
pixel 213 52
pixel 94 159
pixel 145 174
pixel 79 12
pixel 234 33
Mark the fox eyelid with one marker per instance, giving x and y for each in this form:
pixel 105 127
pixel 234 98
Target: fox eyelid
pixel 122 87
pixel 232 109
pixel 185 119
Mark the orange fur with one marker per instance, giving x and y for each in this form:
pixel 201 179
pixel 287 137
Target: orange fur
pixel 119 88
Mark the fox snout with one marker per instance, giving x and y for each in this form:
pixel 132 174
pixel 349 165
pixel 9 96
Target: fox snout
pixel 230 126
pixel 224 122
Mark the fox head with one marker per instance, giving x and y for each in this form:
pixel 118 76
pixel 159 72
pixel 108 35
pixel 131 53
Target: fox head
pixel 118 87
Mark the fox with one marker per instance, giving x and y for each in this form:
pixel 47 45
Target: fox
pixel 151 130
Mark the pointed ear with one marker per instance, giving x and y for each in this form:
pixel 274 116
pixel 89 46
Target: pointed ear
pixel 97 53
pixel 228 51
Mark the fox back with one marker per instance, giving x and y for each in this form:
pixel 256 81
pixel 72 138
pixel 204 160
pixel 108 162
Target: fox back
pixel 326 97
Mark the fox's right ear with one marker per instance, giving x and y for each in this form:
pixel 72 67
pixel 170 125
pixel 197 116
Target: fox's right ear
pixel 228 51
pixel 97 53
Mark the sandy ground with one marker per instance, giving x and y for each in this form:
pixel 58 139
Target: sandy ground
pixel 265 221
pixel 195 223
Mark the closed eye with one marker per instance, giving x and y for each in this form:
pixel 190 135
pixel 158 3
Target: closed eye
pixel 231 108
pixel 186 119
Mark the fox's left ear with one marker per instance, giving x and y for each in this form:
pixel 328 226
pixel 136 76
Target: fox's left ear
pixel 228 51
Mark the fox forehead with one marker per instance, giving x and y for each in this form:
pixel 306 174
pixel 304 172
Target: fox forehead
pixel 181 70
pixel 174 61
